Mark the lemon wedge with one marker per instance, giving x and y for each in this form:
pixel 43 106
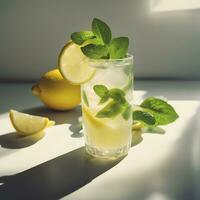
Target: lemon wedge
pixel 26 124
pixel 73 64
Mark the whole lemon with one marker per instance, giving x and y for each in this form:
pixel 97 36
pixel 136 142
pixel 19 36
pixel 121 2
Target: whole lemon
pixel 56 92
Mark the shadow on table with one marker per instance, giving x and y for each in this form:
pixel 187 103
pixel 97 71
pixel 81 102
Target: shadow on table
pixel 137 134
pixel 13 141
pixel 60 176
pixel 55 178
pixel 60 117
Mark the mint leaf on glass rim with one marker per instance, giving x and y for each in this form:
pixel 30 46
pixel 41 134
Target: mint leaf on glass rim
pixel 80 37
pixel 95 51
pixel 118 47
pixel 101 30
pixel 163 112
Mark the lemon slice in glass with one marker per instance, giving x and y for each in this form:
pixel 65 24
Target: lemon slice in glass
pixel 91 119
pixel 26 124
pixel 73 64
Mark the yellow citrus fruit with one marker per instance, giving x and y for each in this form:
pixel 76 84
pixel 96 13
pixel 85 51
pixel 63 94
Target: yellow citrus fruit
pixel 137 125
pixel 56 92
pixel 73 64
pixel 26 124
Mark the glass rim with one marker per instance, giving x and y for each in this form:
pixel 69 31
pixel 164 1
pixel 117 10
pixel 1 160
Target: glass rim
pixel 105 63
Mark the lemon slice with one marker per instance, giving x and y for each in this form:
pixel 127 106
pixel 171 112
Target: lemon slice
pixel 73 64
pixel 91 119
pixel 26 124
pixel 137 125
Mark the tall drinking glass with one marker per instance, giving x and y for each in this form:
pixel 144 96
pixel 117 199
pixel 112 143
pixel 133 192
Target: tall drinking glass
pixel 106 107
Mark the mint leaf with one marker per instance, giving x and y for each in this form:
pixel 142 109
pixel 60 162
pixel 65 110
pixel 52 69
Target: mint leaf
pixel 103 99
pixel 101 90
pixel 127 111
pixel 117 95
pixel 144 117
pixel 85 99
pixel 101 30
pixel 110 110
pixel 118 47
pixel 163 112
pixel 80 37
pixel 95 51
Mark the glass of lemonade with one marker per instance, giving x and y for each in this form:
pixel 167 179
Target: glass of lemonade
pixel 106 107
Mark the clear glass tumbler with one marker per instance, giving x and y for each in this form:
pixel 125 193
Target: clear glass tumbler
pixel 106 107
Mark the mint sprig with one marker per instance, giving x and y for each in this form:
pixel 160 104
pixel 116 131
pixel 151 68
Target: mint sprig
pixel 100 44
pixel 127 111
pixel 163 112
pixel 95 51
pixel 82 36
pixel 103 92
pixel 154 110
pixel 118 47
pixel 111 110
pixel 117 105
pixel 148 117
pixel 144 117
pixel 101 30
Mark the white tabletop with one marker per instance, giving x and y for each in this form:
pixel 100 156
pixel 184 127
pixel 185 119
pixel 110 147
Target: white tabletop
pixel 158 166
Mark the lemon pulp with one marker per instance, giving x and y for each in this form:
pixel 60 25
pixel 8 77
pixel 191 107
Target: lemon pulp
pixel 26 124
pixel 73 64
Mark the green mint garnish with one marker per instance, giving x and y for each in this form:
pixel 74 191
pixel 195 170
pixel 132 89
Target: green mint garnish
pixel 95 51
pixel 117 95
pixel 127 111
pixel 118 47
pixel 103 92
pixel 85 99
pixel 157 109
pixel 138 113
pixel 163 112
pixel 111 110
pixel 100 44
pixel 144 117
pixel 103 99
pixel 101 30
pixel 118 102
pixel 82 36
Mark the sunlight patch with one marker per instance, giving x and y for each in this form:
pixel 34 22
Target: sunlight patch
pixel 171 5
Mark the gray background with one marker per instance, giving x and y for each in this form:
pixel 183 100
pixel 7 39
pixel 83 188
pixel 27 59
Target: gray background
pixel 166 45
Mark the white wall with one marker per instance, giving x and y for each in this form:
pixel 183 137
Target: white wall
pixel 165 44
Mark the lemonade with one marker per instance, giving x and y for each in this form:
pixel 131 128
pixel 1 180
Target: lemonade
pixel 107 121
pixel 100 63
